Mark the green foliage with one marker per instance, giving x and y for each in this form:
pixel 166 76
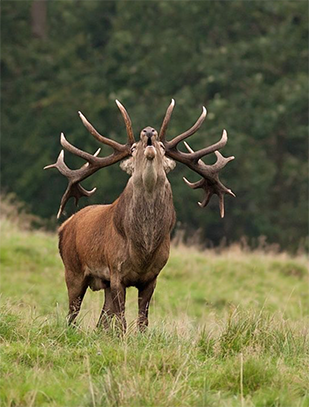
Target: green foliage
pixel 246 61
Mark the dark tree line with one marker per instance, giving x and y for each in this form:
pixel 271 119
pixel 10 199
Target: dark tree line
pixel 247 62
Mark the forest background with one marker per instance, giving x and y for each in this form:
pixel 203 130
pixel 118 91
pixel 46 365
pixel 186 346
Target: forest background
pixel 246 61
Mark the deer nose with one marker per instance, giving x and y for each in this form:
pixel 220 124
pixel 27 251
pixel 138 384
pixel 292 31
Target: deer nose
pixel 149 131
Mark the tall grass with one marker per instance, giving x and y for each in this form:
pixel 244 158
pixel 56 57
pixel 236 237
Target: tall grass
pixel 226 329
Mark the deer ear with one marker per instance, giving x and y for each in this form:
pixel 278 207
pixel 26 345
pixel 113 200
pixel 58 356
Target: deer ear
pixel 127 165
pixel 168 164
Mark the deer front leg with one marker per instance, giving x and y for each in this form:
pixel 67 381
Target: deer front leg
pixel 144 296
pixel 77 286
pixel 118 296
pixel 108 309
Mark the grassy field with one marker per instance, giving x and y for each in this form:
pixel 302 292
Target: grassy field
pixel 228 329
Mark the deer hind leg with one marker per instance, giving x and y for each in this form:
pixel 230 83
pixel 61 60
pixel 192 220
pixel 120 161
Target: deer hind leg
pixel 144 296
pixel 108 309
pixel 118 296
pixel 77 287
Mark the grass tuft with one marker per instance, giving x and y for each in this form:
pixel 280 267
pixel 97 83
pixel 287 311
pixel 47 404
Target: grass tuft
pixel 228 329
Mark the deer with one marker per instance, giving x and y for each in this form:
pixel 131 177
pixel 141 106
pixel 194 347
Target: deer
pixel 127 243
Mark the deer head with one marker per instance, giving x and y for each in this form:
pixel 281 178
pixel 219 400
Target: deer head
pixel 149 159
pixel 148 164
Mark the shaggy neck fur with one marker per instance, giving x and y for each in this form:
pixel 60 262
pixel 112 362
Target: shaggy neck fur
pixel 145 212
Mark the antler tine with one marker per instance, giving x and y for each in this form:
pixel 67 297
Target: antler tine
pixel 221 161
pixel 74 150
pixel 211 149
pixel 95 155
pixel 206 199
pixel 97 135
pixel 75 190
pixel 221 205
pixel 127 121
pixel 173 143
pixel 60 165
pixel 166 120
pixel 188 147
pixel 193 185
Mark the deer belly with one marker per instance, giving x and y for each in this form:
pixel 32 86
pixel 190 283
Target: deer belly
pixel 136 279
pixel 140 273
pixel 98 278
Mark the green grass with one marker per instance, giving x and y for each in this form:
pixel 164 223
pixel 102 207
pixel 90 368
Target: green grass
pixel 228 329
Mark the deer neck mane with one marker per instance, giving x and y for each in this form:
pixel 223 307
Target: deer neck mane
pixel 145 212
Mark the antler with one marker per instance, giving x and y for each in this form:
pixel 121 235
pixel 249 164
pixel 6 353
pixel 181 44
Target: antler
pixel 210 173
pixel 94 163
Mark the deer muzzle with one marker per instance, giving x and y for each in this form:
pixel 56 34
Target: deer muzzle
pixel 150 152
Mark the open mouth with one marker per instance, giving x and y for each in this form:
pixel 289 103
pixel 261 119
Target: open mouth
pixel 150 151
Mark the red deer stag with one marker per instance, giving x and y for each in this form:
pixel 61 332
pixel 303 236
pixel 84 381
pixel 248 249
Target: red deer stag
pixel 127 243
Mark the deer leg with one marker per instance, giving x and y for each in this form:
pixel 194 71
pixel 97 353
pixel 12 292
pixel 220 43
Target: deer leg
pixel 108 309
pixel 118 294
pixel 76 291
pixel 144 297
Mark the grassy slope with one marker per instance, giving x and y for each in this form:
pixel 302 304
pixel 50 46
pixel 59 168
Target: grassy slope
pixel 225 330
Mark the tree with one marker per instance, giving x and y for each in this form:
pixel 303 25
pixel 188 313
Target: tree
pixel 246 61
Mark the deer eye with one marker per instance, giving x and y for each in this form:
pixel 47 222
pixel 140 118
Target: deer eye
pixel 133 147
pixel 162 145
